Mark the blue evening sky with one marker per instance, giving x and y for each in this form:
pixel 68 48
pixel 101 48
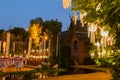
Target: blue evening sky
pixel 18 13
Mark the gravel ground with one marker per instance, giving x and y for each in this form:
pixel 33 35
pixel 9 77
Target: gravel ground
pixel 90 76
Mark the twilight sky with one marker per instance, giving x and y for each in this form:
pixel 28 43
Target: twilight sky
pixel 18 13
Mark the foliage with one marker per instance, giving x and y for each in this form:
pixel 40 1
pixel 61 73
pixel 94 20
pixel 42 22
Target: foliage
pixel 105 13
pixel 50 71
pixel 19 37
pixel 115 69
pixel 36 21
pixel 29 75
pixel 35 33
pixel 117 37
pixel 2 34
pixel 100 12
pixel 54 26
pixel 35 30
pixel 18 34
pixel 50 28
pixel 53 29
pixel 102 60
pixel 65 57
pixel 53 59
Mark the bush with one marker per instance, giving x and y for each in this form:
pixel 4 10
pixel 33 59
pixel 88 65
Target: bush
pixel 115 68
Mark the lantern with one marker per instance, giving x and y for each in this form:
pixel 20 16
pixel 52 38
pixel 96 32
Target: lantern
pixel 75 17
pixel 104 38
pixel 67 3
pixel 91 32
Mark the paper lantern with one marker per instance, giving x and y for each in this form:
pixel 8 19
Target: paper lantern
pixel 91 32
pixel 67 4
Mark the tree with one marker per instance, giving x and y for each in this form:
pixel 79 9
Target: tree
pixel 35 30
pixel 18 40
pixel 37 21
pixel 2 34
pixel 18 34
pixel 53 25
pixel 53 29
pixel 102 12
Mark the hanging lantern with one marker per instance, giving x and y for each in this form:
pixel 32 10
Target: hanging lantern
pixel 99 55
pixel 67 4
pixel 118 26
pixel 91 32
pixel 75 17
pixel 103 52
pixel 98 46
pixel 82 16
pixel 92 55
pixel 104 34
pixel 98 7
pixel 110 40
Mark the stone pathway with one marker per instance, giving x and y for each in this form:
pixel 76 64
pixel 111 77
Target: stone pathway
pixel 90 76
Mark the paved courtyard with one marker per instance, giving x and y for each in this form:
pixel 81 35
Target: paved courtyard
pixel 90 76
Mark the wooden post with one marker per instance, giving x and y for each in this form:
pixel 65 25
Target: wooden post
pixel 57 46
pixel 44 46
pixel 0 45
pixel 7 43
pixel 4 47
pixel 29 46
pixel 49 50
pixel 13 48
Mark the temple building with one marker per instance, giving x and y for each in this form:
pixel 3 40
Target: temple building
pixel 77 39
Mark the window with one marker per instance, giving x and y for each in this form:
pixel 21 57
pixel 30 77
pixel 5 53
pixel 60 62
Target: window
pixel 75 44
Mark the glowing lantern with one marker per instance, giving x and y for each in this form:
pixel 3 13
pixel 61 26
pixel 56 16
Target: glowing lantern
pixel 98 7
pixel 82 16
pixel 98 46
pixel 92 55
pixel 104 38
pixel 91 32
pixel 67 3
pixel 75 17
pixel 104 33
pixel 110 40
